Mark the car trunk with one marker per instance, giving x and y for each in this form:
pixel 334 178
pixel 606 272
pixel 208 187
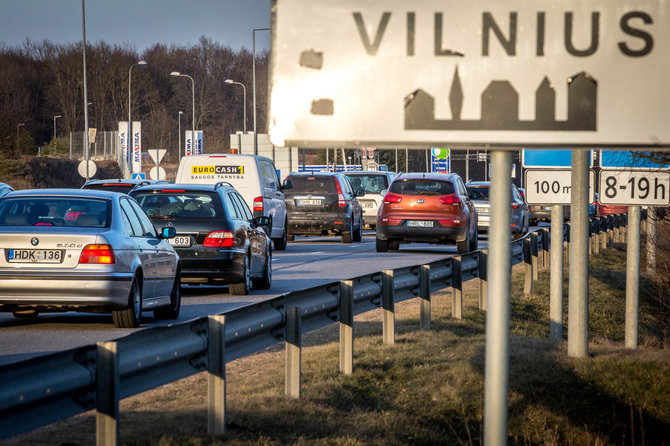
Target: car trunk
pixel 44 250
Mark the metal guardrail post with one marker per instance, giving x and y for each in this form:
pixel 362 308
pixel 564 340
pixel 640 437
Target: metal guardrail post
pixel 597 229
pixel 528 282
pixel 556 275
pixel 388 305
pixel 347 327
pixel 534 255
pixel 293 352
pixel 632 276
pixel 566 235
pixel 424 295
pixel 107 394
pixel 604 231
pixel 456 288
pixel 483 279
pixel 216 375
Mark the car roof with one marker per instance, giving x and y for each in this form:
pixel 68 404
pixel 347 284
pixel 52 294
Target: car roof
pixel 311 174
pixel 83 193
pixel 222 155
pixel 123 180
pixel 189 187
pixel 478 183
pixel 426 175
pixel 364 172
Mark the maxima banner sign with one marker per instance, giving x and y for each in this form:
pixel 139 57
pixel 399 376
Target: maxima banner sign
pixel 190 150
pixel 132 156
pixel 513 73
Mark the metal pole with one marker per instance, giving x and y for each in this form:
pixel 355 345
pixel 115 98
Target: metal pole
pixel 396 161
pixel 467 165
pixel 651 240
pixel 556 280
pixel 179 132
pixel 632 276
pixel 193 137
pixel 406 160
pixel 17 136
pixel 253 70
pixel 498 300
pixel 83 52
pixel 578 299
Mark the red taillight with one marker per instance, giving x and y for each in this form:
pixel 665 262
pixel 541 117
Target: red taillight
pixel 340 198
pixel 453 221
pixel 101 254
pixel 451 199
pixel 173 190
pixel 515 205
pixel 390 198
pixel 220 239
pixel 258 204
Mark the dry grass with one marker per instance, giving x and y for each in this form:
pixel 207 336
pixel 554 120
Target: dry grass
pixel 428 387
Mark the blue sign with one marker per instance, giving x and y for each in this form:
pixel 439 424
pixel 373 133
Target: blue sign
pixel 628 159
pixel 139 176
pixel 440 160
pixel 558 159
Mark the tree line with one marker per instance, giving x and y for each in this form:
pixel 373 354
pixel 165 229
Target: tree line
pixel 39 81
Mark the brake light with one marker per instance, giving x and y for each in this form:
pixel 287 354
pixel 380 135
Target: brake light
pixel 220 239
pixel 340 198
pixel 390 198
pixel 515 205
pixel 449 222
pixel 451 199
pixel 258 204
pixel 173 190
pixel 100 254
pixel 116 184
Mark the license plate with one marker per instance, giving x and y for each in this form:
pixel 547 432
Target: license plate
pixel 307 202
pixel 181 241
pixel 482 210
pixel 35 255
pixel 367 204
pixel 420 224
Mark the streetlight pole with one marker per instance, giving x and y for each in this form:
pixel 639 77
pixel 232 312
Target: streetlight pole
pixel 179 134
pixel 55 117
pixel 83 56
pixel 17 136
pixel 244 107
pixel 253 64
pixel 177 73
pixel 129 132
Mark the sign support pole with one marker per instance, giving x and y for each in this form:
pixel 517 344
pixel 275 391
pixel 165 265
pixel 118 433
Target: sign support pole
pixel 498 315
pixel 556 281
pixel 632 276
pixel 578 303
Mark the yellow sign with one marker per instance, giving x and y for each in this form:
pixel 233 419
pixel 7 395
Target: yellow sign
pixel 201 170
pixel 91 135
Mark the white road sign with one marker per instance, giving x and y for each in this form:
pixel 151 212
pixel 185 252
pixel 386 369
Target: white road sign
pixel 517 73
pixel 553 186
pixel 634 187
pixel 157 154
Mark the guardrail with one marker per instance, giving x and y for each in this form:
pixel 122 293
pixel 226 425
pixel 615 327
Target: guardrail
pixel 49 388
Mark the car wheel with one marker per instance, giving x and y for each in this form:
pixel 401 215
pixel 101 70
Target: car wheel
pixel 172 311
pixel 242 288
pixel 474 242
pixel 464 246
pixel 358 235
pixel 394 245
pixel 265 282
pixel 347 236
pixel 382 245
pixel 131 316
pixel 280 243
pixel 290 238
pixel 26 314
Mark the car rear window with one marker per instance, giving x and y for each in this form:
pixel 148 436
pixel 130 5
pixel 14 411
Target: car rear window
pixel 179 205
pixel 370 183
pixel 422 187
pixel 320 184
pixel 54 211
pixel 484 190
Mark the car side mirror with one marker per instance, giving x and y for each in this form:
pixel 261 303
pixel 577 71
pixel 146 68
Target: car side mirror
pixel 383 192
pixel 262 221
pixel 287 184
pixel 360 192
pixel 168 232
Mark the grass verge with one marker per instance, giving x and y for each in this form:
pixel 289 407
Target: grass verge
pixel 428 387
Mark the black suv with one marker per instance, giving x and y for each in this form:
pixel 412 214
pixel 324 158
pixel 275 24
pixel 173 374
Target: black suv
pixel 218 239
pixel 123 185
pixel 323 203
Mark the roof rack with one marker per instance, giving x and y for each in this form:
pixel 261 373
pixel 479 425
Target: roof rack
pixel 222 183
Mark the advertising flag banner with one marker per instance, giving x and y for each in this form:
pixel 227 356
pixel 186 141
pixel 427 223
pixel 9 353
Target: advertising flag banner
pixel 190 148
pixel 137 147
pixel 123 140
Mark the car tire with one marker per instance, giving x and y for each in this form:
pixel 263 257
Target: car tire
pixel 131 316
pixel 474 242
pixel 290 238
pixel 242 288
pixel 394 245
pixel 281 242
pixel 172 311
pixel 358 235
pixel 464 246
pixel 348 235
pixel 265 282
pixel 382 245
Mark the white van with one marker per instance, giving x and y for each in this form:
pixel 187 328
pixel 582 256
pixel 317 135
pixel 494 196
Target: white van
pixel 254 177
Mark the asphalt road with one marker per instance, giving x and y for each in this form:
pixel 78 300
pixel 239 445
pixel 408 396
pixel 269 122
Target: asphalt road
pixel 307 262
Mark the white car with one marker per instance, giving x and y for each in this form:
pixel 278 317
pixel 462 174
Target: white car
pixel 372 183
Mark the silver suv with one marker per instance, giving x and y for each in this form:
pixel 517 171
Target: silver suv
pixel 372 183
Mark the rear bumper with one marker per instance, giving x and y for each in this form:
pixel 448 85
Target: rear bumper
pixel 224 266
pixel 436 234
pixel 64 292
pixel 318 225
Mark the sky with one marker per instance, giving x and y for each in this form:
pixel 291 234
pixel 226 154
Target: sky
pixel 139 23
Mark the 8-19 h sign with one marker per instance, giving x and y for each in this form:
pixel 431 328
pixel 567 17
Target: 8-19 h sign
pixel 517 73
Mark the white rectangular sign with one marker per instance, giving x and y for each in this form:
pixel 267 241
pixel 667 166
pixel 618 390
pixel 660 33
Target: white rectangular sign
pixel 634 187
pixel 518 73
pixel 553 186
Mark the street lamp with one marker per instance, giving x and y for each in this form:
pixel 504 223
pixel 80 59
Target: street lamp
pixel 55 117
pixel 179 134
pixel 244 108
pixel 130 122
pixel 253 64
pixel 177 73
pixel 17 136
